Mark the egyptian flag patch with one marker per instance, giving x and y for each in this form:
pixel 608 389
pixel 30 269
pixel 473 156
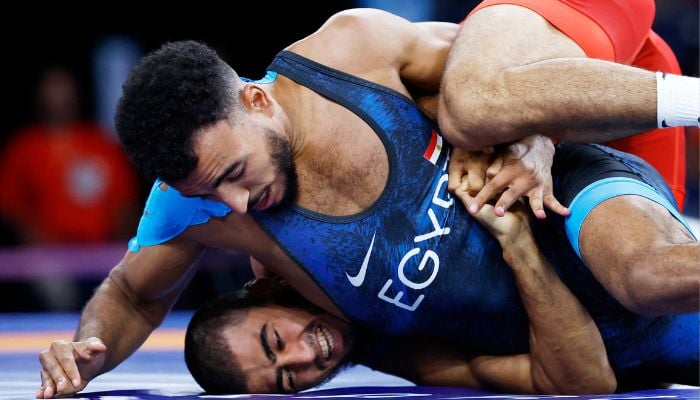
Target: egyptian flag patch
pixel 432 153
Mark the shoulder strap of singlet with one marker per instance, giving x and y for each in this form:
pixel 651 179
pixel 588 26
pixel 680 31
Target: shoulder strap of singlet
pixel 306 73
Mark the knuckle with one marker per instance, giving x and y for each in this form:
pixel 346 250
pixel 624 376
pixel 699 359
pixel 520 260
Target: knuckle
pixel 506 200
pixel 57 344
pixel 66 358
pixel 492 185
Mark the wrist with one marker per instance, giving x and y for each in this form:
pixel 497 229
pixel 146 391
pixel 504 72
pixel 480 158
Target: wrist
pixel 521 251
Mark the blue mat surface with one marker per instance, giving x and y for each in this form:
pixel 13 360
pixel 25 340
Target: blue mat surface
pixel 162 374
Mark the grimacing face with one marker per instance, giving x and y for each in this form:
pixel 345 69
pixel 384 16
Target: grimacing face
pixel 244 170
pixel 288 349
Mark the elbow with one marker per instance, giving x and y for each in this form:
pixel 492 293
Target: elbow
pixel 608 384
pixel 600 384
pixel 599 378
pixel 601 381
pixel 604 383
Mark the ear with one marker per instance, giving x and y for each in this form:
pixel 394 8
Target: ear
pixel 255 99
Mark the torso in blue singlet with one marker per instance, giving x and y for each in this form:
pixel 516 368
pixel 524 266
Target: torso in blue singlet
pixel 414 260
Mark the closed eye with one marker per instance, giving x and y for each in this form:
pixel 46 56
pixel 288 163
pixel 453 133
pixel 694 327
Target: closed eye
pixel 290 381
pixel 279 342
pixel 234 177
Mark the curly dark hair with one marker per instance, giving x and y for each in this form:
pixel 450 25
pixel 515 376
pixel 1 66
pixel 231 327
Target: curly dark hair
pixel 170 95
pixel 206 355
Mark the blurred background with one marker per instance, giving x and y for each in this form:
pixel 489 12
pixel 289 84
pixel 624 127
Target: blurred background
pixel 69 198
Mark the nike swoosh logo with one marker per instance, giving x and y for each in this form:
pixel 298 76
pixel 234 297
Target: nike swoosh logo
pixel 358 279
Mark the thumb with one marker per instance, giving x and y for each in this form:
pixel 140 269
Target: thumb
pixel 486 216
pixel 90 347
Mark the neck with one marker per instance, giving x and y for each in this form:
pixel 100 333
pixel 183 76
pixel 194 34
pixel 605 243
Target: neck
pixel 291 104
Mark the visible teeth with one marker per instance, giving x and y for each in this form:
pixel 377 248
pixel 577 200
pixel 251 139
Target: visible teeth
pixel 325 340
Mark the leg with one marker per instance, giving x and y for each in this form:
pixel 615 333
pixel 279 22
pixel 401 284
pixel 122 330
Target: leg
pixel 625 227
pixel 657 267
pixel 664 149
pixel 511 73
pixel 642 255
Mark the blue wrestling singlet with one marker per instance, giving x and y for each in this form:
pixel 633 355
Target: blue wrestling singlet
pixel 415 262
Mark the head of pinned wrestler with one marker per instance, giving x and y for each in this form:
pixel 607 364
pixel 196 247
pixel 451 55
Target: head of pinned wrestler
pixel 264 339
pixel 187 118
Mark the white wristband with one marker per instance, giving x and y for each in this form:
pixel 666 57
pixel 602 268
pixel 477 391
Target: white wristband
pixel 677 100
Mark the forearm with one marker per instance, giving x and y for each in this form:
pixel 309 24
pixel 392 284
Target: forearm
pixel 113 317
pixel 567 354
pixel 572 99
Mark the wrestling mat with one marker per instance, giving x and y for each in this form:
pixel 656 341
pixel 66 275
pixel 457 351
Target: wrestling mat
pixel 157 370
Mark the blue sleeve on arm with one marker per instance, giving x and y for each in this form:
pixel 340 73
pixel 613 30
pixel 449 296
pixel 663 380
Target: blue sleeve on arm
pixel 168 213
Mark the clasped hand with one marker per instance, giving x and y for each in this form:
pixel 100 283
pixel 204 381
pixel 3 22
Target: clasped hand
pixel 522 169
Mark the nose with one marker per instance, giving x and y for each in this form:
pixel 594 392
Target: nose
pixel 234 197
pixel 297 354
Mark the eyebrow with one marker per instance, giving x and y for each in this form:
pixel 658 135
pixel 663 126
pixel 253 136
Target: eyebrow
pixel 219 179
pixel 271 356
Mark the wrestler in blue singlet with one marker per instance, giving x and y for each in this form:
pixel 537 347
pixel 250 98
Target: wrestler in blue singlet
pixel 415 262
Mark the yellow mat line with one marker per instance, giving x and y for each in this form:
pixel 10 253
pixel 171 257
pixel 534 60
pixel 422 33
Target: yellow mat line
pixel 19 342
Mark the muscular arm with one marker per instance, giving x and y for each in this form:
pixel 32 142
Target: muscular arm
pixel 136 297
pixel 126 308
pixel 567 354
pixel 502 84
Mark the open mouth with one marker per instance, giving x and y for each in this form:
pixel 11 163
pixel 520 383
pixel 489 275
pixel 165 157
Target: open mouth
pixel 325 341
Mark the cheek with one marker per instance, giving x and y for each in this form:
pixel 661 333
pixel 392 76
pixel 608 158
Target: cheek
pixel 310 378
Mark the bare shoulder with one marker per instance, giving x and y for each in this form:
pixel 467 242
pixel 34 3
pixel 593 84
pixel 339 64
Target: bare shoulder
pixel 356 40
pixel 382 47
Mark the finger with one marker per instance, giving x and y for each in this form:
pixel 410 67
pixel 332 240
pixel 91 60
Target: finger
pixel 90 348
pixel 455 171
pixel 553 204
pixel 454 177
pixel 506 200
pixel 66 355
pixel 48 387
pixel 535 200
pixel 489 191
pixel 476 176
pixel 475 182
pixel 495 167
pixel 462 193
pixel 83 352
pixel 486 216
pixel 53 368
